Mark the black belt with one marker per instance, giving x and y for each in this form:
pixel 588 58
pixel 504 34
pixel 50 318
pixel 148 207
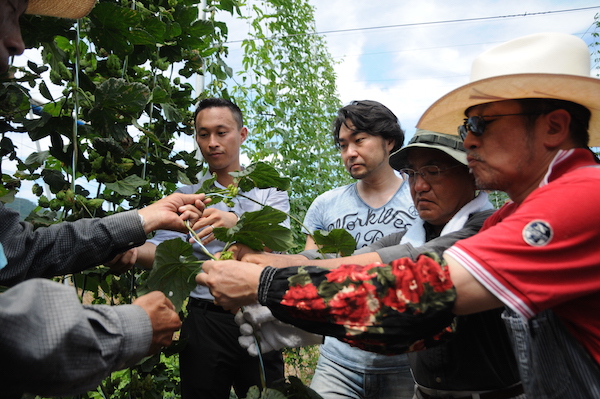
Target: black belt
pixel 501 394
pixel 206 304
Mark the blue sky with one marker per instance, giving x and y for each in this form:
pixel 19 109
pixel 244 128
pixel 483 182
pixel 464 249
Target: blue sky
pixel 407 68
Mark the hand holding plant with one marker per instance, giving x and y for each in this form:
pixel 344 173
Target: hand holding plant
pixel 175 265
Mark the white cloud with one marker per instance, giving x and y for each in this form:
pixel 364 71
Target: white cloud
pixel 408 68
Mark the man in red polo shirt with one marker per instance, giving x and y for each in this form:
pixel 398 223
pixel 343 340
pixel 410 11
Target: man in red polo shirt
pixel 527 119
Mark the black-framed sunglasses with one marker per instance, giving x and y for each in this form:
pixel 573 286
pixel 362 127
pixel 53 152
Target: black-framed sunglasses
pixel 429 173
pixel 476 124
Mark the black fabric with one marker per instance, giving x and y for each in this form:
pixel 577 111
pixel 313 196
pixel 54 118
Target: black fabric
pixel 206 304
pixel 212 360
pixel 500 394
pixel 477 358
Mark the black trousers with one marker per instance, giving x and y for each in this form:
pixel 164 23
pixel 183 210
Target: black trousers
pixel 213 361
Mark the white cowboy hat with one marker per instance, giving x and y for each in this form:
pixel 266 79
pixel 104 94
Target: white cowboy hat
pixel 72 9
pixel 542 65
pixel 450 144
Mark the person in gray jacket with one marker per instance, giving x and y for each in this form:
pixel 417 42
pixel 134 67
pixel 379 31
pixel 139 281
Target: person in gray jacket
pixel 527 127
pixel 478 360
pixel 51 344
pixel 392 246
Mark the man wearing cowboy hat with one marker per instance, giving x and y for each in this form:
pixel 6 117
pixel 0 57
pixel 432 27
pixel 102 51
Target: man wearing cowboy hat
pixel 478 360
pixel 527 109
pixel 525 128
pixel 51 344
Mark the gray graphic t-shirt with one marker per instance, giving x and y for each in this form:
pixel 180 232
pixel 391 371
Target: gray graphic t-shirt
pixel 342 208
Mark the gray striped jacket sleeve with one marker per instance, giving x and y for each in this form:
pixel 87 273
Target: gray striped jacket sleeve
pixel 51 344
pixel 66 247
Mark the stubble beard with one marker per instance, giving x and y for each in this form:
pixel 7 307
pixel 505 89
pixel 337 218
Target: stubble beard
pixel 359 175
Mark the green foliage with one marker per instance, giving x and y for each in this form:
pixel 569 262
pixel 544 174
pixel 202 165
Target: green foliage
pixel 260 175
pixel 122 102
pixel 498 198
pixel 175 266
pixel 595 45
pixel 287 93
pixel 301 362
pixel 115 71
pixel 258 230
pixel 156 377
pixel 290 388
pixel 173 271
pixel 338 241
pixel 130 108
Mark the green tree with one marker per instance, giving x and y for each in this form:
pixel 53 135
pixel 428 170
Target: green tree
pixel 595 45
pixel 125 99
pixel 122 71
pixel 287 92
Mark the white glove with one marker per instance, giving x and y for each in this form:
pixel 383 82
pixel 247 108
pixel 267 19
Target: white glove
pixel 272 333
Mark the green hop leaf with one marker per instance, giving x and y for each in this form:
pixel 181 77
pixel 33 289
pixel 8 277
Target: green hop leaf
pixel 260 175
pixel 127 186
pixel 335 241
pixel 259 229
pixel 174 271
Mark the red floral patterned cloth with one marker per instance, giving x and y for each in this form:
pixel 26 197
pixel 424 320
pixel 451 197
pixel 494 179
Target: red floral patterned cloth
pixel 395 308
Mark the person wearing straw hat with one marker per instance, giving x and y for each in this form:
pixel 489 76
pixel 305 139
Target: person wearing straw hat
pixel 527 120
pixel 71 9
pixel 478 359
pixel 51 344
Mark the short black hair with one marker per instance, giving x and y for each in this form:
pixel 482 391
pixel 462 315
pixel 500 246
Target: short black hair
pixel 580 115
pixel 221 103
pixel 372 118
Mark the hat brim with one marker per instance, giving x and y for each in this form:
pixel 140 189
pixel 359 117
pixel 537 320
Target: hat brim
pixel 71 9
pixel 398 158
pixel 447 113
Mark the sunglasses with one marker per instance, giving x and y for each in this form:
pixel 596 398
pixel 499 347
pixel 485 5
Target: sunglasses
pixel 476 124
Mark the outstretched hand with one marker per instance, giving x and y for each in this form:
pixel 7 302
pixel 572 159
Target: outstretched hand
pixel 123 261
pixel 165 321
pixel 232 283
pixel 273 334
pixel 211 218
pixel 275 260
pixel 169 213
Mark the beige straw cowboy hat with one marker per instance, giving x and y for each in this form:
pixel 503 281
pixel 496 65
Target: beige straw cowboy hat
pixel 542 65
pixel 72 9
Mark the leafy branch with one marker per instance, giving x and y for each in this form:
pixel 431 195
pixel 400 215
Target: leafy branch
pixel 175 265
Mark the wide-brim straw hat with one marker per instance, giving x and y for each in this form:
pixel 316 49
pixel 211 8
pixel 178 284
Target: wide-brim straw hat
pixel 450 144
pixel 542 65
pixel 72 9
